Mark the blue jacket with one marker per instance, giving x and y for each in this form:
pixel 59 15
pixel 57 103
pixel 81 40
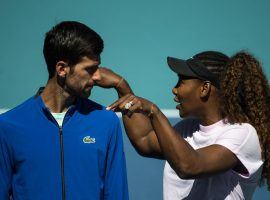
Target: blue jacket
pixel 83 160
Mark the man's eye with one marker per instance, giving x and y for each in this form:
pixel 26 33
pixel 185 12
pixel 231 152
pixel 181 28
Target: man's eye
pixel 91 69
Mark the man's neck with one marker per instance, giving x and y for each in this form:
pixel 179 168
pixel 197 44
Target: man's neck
pixel 56 98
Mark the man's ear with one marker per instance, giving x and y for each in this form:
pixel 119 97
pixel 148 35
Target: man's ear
pixel 62 69
pixel 205 89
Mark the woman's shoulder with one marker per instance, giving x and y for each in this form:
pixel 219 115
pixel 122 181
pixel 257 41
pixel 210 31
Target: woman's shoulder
pixel 244 128
pixel 240 136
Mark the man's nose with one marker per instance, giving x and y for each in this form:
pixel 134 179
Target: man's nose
pixel 96 76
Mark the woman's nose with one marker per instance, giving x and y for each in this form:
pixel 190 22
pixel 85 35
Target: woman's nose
pixel 174 91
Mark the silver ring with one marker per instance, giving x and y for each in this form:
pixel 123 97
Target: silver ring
pixel 128 105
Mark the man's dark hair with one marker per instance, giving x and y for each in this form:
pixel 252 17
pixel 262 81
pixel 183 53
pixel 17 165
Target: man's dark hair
pixel 69 41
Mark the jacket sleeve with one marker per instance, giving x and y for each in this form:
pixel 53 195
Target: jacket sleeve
pixel 116 187
pixel 5 169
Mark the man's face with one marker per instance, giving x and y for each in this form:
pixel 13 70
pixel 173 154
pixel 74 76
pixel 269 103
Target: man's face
pixel 81 77
pixel 187 94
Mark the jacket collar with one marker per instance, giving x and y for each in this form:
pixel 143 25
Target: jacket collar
pixel 46 111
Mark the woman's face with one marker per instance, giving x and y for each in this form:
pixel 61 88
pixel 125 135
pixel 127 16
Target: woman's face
pixel 187 94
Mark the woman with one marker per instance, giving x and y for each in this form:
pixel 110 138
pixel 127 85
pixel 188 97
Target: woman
pixel 221 148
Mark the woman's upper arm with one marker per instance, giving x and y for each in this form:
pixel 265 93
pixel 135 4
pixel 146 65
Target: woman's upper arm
pixel 214 159
pixel 150 146
pixel 237 148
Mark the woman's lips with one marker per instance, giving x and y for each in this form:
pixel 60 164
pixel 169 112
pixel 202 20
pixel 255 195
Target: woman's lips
pixel 177 101
pixel 178 106
pixel 180 101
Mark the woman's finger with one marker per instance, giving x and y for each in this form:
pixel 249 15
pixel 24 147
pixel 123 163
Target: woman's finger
pixel 125 105
pixel 116 104
pixel 135 107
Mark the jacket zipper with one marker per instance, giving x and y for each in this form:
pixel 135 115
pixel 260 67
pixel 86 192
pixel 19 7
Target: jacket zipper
pixel 62 163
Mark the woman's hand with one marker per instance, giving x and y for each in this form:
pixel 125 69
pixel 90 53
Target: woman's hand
pixel 108 79
pixel 130 104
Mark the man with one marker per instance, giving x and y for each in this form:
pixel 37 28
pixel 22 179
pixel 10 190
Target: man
pixel 58 144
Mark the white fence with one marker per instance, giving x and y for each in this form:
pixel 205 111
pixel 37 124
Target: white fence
pixel 170 113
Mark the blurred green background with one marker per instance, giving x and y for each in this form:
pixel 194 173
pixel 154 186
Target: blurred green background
pixel 138 36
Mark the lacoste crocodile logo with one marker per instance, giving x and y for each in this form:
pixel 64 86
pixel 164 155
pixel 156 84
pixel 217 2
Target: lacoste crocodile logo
pixel 89 140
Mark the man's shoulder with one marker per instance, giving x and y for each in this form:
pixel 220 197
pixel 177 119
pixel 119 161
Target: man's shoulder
pixel 17 115
pixel 91 107
pixel 19 111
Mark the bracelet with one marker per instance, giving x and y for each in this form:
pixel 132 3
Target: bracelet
pixel 151 111
pixel 119 83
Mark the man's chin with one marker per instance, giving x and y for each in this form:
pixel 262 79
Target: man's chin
pixel 85 95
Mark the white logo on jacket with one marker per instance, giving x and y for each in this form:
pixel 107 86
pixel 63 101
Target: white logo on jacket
pixel 89 140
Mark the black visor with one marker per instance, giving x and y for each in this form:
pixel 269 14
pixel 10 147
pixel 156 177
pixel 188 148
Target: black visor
pixel 192 68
